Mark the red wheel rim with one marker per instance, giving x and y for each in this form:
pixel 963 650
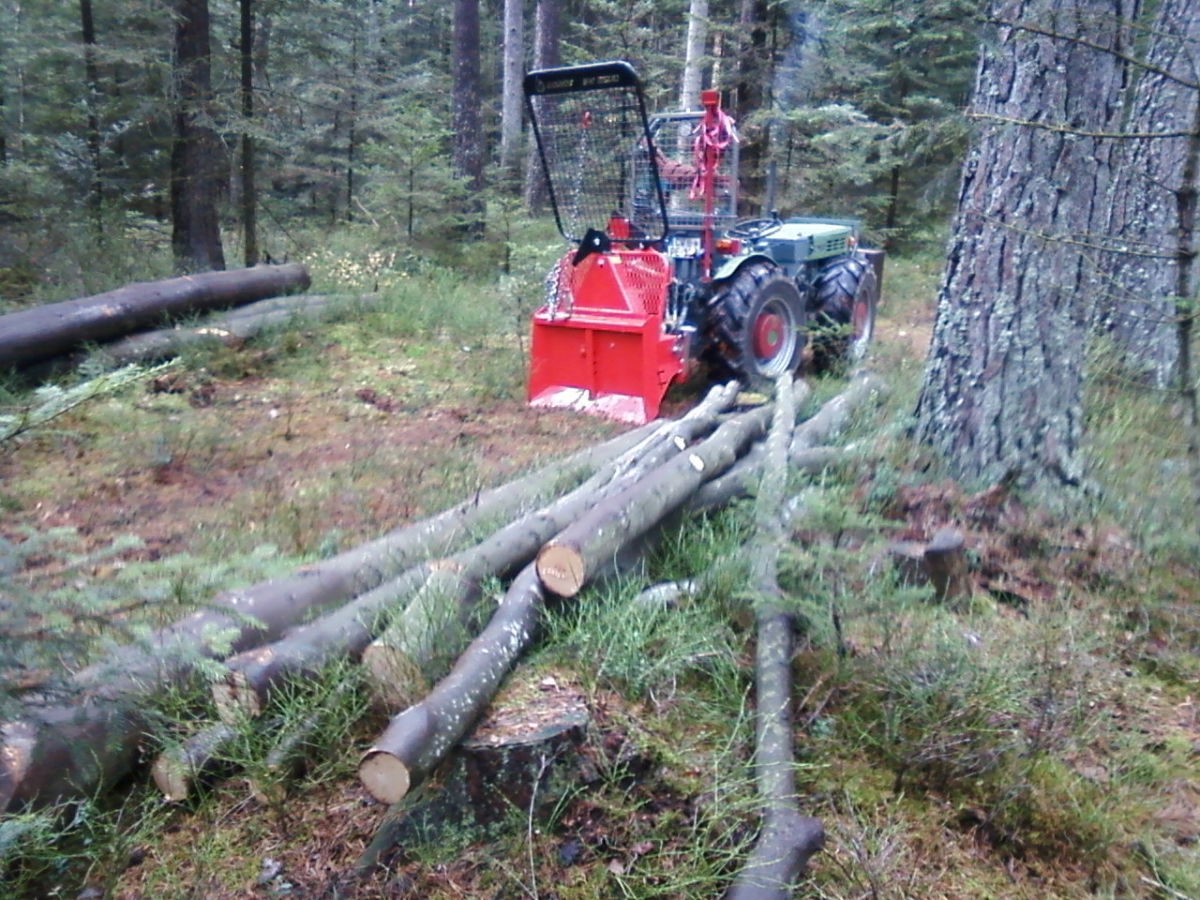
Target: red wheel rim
pixel 769 335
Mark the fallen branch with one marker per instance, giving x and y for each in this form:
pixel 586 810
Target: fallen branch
pixel 787 839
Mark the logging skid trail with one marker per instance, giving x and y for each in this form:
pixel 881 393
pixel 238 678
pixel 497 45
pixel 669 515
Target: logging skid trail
pixel 475 671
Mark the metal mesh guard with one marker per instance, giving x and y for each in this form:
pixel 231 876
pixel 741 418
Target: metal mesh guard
pixel 589 121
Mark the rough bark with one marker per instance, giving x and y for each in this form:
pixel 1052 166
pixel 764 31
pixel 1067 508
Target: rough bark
pixel 547 30
pixel 1002 386
pixel 63 750
pixel 510 112
pixel 91 77
pixel 196 166
pixel 468 135
pixel 437 632
pixel 787 838
pixel 249 186
pixel 1137 307
pixel 565 564
pixel 231 329
pixel 42 332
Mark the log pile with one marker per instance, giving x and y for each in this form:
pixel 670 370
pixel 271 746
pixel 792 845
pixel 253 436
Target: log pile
pixel 412 606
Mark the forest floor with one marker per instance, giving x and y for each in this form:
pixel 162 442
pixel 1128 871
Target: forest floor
pixel 1041 741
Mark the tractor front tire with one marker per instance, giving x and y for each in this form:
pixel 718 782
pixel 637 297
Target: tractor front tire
pixel 755 325
pixel 842 312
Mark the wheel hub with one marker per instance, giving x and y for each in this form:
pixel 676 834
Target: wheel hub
pixel 769 335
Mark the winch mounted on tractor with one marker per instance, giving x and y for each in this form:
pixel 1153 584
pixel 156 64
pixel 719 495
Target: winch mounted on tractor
pixel 663 275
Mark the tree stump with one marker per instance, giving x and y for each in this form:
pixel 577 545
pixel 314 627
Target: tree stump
pixel 946 560
pixel 519 761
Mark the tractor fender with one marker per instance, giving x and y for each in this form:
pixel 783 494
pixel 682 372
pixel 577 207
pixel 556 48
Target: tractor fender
pixel 729 269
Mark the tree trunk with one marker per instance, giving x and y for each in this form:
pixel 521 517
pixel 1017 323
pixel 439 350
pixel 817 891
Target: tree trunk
pixel 547 29
pixel 693 66
pixel 1138 307
pixel 514 58
pixel 567 563
pixel 43 332
pixel 196 180
pixel 1002 387
pixel 249 188
pixel 468 134
pixel 787 838
pixel 91 77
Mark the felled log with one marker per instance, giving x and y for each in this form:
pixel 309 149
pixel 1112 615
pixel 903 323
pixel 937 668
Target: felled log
pixel 248 617
pixel 421 736
pixel 347 631
pixel 833 416
pixel 230 329
pixel 787 838
pixel 178 769
pixel 58 749
pixel 566 563
pixel 523 756
pixel 400 663
pixel 42 332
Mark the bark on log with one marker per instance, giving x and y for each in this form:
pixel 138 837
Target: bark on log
pixel 805 452
pixel 178 769
pixel 565 564
pixel 833 416
pixel 787 838
pixel 59 750
pixel 400 663
pixel 420 737
pixel 348 630
pixel 230 329
pixel 46 331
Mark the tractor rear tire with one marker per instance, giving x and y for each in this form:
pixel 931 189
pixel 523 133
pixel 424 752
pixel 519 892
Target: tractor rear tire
pixel 756 325
pixel 842 313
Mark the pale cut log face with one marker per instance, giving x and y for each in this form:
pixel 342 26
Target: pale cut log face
pixel 385 777
pixel 560 570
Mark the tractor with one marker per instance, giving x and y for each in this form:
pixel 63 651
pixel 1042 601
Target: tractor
pixel 662 275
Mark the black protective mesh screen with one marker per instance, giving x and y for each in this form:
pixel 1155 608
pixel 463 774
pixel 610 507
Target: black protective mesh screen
pixel 590 121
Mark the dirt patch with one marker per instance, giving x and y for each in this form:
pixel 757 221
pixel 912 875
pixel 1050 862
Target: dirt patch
pixel 254 460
